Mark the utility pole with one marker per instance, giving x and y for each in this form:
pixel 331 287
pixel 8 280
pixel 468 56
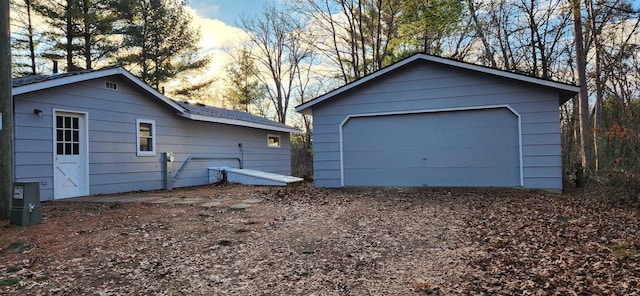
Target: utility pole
pixel 6 115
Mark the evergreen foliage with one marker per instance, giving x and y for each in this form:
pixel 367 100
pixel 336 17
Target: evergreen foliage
pixel 244 87
pixel 159 41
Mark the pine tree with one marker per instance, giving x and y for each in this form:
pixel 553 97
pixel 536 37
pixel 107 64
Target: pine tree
pixel 96 32
pixel 62 16
pixel 159 41
pixel 23 40
pixel 245 87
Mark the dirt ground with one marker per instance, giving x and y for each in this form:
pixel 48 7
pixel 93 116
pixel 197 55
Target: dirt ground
pixel 306 241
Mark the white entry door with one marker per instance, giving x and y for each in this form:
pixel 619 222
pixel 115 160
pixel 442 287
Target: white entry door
pixel 70 155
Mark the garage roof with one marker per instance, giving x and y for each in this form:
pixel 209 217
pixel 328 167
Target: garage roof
pixel 567 91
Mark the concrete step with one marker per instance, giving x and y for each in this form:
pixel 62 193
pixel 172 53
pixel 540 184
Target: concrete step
pixel 250 177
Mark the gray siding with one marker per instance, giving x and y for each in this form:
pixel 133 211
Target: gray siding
pixel 113 163
pixel 430 86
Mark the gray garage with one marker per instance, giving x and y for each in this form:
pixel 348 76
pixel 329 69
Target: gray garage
pixel 429 121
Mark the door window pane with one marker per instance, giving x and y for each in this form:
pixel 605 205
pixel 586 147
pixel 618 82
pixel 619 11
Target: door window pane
pixel 67 135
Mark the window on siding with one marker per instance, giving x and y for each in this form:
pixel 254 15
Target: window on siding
pixel 111 85
pixel 146 137
pixel 273 141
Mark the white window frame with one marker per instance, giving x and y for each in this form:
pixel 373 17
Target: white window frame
pixel 277 145
pixel 154 138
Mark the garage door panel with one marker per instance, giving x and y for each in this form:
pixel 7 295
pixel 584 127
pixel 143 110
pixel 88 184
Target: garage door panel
pixel 476 177
pixel 460 158
pixel 381 159
pixel 457 148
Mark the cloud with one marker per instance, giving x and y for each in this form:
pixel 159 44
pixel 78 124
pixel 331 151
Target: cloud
pixel 214 33
pixel 205 8
pixel 215 37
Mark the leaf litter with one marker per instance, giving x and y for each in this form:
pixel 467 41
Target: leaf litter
pixel 306 241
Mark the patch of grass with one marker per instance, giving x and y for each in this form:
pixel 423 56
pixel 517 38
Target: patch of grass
pixel 8 282
pixel 13 268
pixel 623 250
pixel 16 247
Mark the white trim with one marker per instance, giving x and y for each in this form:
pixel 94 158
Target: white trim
pixel 55 82
pixel 84 147
pixel 557 85
pixel 242 123
pixel 279 143
pixel 432 111
pixel 154 137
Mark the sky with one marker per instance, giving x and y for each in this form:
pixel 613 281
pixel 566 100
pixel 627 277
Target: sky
pixel 217 21
pixel 226 11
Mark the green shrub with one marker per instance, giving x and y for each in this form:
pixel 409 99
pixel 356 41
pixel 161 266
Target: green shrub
pixel 301 158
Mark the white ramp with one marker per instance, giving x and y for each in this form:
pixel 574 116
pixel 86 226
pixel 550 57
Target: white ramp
pixel 250 177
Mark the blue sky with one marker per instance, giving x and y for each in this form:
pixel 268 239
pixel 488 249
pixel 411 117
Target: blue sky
pixel 227 11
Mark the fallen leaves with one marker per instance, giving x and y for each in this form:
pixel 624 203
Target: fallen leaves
pixel 555 244
pixel 307 241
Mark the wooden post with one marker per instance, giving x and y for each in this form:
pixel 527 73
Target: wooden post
pixel 6 115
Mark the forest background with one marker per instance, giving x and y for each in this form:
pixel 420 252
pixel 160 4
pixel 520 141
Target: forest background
pixel 294 50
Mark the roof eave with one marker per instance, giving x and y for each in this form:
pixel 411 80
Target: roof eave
pixel 565 96
pixel 301 108
pixel 306 111
pixel 243 123
pixel 565 89
pixel 515 76
pixel 37 86
pixel 152 91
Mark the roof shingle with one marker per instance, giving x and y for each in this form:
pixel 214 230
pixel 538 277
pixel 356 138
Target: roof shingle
pixel 206 110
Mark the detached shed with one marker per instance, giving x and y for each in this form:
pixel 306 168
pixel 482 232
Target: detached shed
pixel 106 131
pixel 430 121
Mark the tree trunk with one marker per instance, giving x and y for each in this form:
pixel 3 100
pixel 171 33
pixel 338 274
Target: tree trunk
pixel 480 31
pixel 6 118
pixel 69 35
pixel 87 35
pixel 32 50
pixel 597 118
pixel 583 100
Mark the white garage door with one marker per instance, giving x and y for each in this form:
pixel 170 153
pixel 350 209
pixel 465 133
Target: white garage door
pixel 452 148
